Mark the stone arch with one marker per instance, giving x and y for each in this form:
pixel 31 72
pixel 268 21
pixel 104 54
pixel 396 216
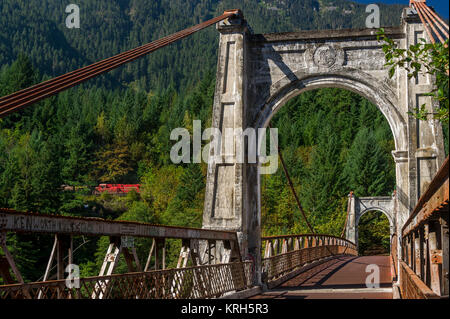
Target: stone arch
pixel 388 215
pixel 256 75
pixel 353 80
pixel 358 206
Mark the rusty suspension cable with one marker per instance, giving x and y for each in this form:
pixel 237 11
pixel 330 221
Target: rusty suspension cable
pixel 438 21
pixel 427 28
pixel 291 185
pixel 20 99
pixel 430 20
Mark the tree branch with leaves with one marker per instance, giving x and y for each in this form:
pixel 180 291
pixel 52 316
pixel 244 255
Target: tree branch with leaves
pixel 423 57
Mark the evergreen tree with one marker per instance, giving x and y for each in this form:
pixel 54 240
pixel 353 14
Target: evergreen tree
pixel 19 76
pixel 365 169
pixel 113 163
pixel 320 189
pixel 193 183
pixel 373 234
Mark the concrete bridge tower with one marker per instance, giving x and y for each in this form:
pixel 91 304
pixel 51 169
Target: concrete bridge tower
pixel 258 73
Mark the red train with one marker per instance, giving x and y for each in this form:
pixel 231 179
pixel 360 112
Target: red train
pixel 117 188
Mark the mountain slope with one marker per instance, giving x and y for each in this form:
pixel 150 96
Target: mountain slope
pixel 37 29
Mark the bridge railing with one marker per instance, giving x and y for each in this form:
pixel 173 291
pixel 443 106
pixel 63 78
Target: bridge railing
pixel 284 254
pixel 207 281
pixel 209 262
pixel 425 243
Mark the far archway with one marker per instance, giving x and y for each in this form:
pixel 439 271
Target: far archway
pixel 358 206
pixel 374 237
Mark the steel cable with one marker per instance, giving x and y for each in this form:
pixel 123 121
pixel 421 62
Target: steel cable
pixel 33 94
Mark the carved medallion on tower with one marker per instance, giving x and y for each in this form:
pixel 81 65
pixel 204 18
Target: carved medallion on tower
pixel 327 56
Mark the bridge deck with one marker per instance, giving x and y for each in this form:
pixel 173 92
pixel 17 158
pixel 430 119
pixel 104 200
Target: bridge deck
pixel 340 278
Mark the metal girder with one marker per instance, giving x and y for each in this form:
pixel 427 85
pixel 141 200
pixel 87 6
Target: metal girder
pixel 22 222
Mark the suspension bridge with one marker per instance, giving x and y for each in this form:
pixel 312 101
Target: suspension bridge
pixel 227 258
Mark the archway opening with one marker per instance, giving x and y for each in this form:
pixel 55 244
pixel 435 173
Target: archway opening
pixel 374 234
pixel 333 141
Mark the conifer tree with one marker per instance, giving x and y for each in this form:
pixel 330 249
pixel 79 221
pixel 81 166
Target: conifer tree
pixel 365 169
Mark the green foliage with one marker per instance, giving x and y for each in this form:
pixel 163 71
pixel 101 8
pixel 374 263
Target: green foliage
pixel 365 169
pixel 373 234
pixel 37 28
pixel 333 142
pixel 430 58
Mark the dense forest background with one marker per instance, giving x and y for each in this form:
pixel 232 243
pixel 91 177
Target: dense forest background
pixel 116 128
pixel 107 27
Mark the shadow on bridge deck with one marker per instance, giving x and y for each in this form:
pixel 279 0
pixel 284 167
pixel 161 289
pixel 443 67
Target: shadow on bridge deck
pixel 339 278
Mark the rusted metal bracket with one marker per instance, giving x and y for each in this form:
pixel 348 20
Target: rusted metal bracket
pixel 436 256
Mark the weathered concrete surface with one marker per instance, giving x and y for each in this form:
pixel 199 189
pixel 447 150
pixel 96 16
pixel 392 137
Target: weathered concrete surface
pixel 258 74
pixel 340 278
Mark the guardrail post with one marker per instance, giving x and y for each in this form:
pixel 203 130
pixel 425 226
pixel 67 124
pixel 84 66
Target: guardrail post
pixel 408 251
pixel 435 256
pixel 268 249
pixel 426 264
pixel 284 247
pixel 296 244
pixel 416 260
pixel 184 253
pixel 445 254
pixel 276 247
pixel 421 252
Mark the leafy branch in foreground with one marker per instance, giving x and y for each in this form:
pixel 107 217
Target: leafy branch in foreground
pixel 430 58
